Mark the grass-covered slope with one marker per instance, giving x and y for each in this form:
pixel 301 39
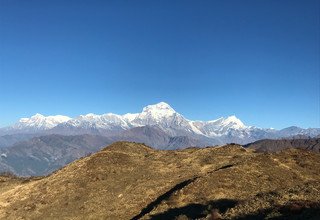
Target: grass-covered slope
pixel 133 181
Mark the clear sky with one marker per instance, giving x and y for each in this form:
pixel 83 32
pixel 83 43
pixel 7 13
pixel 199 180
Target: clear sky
pixel 258 60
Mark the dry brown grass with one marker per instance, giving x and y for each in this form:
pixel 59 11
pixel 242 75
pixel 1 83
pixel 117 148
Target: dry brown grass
pixel 128 180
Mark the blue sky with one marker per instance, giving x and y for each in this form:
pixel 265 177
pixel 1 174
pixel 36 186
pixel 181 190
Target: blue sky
pixel 258 60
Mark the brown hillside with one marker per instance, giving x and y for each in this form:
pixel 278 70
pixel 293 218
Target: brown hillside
pixel 133 181
pixel 312 144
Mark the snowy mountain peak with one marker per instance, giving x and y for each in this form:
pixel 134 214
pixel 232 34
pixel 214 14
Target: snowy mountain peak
pixel 159 108
pixel 234 122
pixel 89 116
pixel 38 115
pixel 32 118
pixel 39 121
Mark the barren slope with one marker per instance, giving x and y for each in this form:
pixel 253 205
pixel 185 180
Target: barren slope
pixel 312 144
pixel 132 181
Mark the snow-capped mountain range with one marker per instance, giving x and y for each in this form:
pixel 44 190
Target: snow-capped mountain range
pixel 161 116
pixel 39 122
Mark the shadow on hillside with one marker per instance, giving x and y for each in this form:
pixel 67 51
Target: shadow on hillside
pixel 162 197
pixel 194 211
pixel 292 210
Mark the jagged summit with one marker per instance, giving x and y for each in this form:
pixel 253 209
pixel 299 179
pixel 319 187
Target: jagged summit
pixel 159 107
pixel 231 119
pixel 157 111
pixel 39 121
pixel 234 121
pixel 37 116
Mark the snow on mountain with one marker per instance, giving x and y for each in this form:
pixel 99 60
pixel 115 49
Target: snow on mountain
pixel 161 115
pixel 39 122
pixel 150 115
pixel 294 130
pixel 154 114
pixel 106 121
pixel 219 126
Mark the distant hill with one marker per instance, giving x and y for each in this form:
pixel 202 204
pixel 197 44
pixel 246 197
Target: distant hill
pixel 42 155
pixel 312 144
pixel 154 136
pixel 133 181
pixel 8 140
pixel 45 154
